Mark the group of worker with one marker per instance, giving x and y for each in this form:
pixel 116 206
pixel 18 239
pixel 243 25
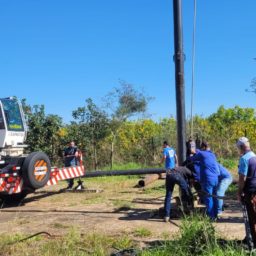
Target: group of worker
pixel 211 179
pixel 208 176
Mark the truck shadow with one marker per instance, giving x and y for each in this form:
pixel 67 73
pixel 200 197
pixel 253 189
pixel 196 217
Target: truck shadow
pixel 35 196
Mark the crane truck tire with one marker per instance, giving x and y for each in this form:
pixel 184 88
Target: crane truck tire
pixel 36 170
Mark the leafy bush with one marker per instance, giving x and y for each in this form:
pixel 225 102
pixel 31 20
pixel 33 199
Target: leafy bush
pixel 230 164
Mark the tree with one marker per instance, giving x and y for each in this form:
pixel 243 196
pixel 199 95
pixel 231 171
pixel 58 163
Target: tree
pixel 43 130
pixel 229 124
pixel 252 86
pixel 93 123
pixel 123 102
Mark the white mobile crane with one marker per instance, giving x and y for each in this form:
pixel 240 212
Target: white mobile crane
pixel 21 173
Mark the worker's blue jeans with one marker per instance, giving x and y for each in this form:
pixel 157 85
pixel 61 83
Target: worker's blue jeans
pixel 210 188
pixel 71 181
pixel 222 187
pixel 172 178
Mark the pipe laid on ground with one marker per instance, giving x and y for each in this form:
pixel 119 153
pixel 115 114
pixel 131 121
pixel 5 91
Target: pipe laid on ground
pixel 150 178
pixel 160 171
pixel 91 174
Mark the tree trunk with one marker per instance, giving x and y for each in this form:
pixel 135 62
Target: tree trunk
pixel 53 151
pixel 112 151
pixel 112 155
pixel 95 156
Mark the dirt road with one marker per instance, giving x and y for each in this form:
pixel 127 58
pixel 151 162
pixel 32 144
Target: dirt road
pixel 120 209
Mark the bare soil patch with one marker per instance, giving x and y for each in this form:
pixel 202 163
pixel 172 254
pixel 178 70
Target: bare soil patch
pixel 120 209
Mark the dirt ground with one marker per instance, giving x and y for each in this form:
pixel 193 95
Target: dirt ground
pixel 120 208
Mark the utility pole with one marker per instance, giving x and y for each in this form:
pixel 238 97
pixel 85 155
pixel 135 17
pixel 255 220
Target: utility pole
pixel 179 80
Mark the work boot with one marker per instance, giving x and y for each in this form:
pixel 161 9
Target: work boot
pixel 69 187
pixel 70 184
pixel 219 215
pixel 166 219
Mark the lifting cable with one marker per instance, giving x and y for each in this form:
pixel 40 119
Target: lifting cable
pixel 193 72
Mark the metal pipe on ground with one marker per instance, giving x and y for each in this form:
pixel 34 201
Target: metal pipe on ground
pixel 91 174
pixel 150 178
pixel 159 171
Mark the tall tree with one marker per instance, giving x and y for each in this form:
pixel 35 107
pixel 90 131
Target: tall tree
pixel 124 102
pixel 94 124
pixel 43 130
pixel 252 85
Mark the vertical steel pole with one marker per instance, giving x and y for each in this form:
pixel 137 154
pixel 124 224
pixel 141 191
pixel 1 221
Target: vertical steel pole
pixel 179 80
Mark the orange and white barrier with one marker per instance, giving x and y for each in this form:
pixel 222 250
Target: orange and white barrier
pixel 13 183
pixel 65 173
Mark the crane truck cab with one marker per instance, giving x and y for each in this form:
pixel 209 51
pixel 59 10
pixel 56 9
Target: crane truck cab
pixel 13 129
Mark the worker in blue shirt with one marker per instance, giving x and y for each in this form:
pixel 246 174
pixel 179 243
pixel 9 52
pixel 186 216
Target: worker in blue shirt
pixel 247 182
pixel 225 179
pixel 209 173
pixel 169 156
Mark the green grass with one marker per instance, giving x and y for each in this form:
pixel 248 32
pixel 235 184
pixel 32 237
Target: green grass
pixel 123 242
pixel 230 164
pixel 197 237
pixel 142 232
pixel 93 199
pixel 73 244
pixel 10 245
pixel 160 189
pixel 232 191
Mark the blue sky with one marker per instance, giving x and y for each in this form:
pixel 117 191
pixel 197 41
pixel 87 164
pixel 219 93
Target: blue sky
pixel 60 52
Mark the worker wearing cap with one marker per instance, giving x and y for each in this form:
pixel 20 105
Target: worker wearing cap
pixel 209 173
pixel 194 166
pixel 247 182
pixel 172 177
